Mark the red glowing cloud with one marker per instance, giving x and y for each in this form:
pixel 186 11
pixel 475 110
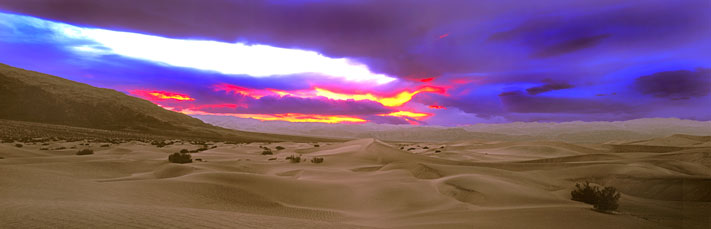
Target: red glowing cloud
pixel 436 107
pixel 160 95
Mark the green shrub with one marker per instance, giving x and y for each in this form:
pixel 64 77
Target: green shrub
pixel 180 158
pixel 85 152
pixel 317 160
pixel 294 158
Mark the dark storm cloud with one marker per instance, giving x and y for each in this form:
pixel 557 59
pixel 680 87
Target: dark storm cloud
pixel 569 46
pixel 519 102
pixel 548 86
pixel 681 84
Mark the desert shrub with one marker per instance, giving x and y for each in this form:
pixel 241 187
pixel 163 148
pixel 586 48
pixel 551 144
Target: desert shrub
pixel 273 158
pixel 85 152
pixel 317 145
pixel 44 148
pixel 294 158
pixel 2 158
pixel 280 148
pixel 425 147
pixel 317 160
pixel 267 152
pixel 180 158
pixel 410 149
pixel 198 159
pixel 607 199
pixel 437 151
pixel 184 151
pixel 585 193
pixel 105 145
pixel 18 145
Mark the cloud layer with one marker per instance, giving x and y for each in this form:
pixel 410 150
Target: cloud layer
pixel 490 60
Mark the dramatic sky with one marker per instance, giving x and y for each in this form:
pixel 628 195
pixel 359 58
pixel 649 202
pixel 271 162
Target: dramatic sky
pixel 437 62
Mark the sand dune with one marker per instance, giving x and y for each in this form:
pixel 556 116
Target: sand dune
pixel 361 183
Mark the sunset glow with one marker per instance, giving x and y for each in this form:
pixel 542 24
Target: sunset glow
pixel 161 95
pixel 393 101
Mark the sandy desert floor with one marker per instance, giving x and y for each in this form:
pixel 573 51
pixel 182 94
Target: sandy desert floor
pixel 360 184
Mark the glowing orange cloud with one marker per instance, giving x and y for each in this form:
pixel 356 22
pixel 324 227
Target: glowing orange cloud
pixel 393 101
pixel 437 107
pixel 161 95
pixel 288 117
pixel 409 114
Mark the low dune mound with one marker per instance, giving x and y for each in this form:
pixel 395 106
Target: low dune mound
pixel 577 158
pixel 172 170
pixel 418 170
pixel 487 190
pixel 532 151
pixel 678 140
pixel 667 189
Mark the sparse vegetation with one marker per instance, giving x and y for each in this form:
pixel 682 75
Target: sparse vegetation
pixel 85 152
pixel 105 145
pixel 410 149
pixel 280 148
pixel 425 147
pixel 267 152
pixel 608 199
pixel 184 151
pixel 605 199
pixel 437 151
pixel 272 159
pixel 18 145
pixel 317 145
pixel 317 160
pixel 294 158
pixel 180 158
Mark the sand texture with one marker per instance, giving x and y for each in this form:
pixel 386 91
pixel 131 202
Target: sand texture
pixel 365 183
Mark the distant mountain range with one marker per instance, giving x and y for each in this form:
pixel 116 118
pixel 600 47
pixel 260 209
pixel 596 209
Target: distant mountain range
pixel 36 97
pixel 582 132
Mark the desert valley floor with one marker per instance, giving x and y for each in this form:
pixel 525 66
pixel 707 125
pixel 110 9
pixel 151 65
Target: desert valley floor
pixel 665 183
